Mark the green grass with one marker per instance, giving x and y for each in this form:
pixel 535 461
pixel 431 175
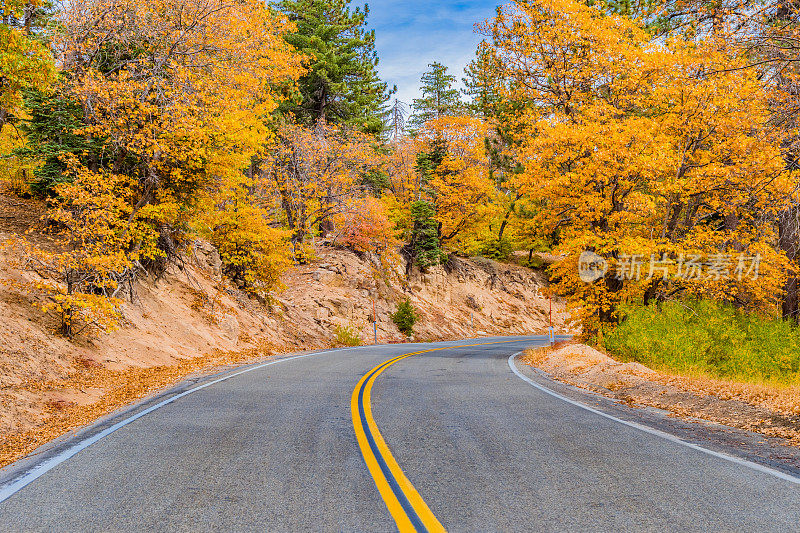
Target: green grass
pixel 705 337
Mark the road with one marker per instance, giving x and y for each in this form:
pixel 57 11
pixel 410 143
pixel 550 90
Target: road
pixel 339 441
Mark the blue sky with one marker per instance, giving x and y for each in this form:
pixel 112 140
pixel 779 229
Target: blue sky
pixel 411 34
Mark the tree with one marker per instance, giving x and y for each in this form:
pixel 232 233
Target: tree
pixel 160 108
pixel 94 260
pixel 314 174
pixel 636 147
pixel 439 97
pixel 461 190
pixel 179 92
pixel 54 118
pixel 482 81
pixel 254 254
pixel 425 245
pixel 775 57
pixel 341 85
pixel 405 317
pixel 25 62
pixel 397 119
pixel 365 227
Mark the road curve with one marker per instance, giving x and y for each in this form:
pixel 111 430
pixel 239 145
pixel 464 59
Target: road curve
pixel 278 447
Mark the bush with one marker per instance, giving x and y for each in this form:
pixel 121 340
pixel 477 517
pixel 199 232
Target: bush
pixel 347 336
pixel 405 317
pixel 499 250
pixel 706 337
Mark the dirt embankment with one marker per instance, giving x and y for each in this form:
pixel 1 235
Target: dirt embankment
pixel 771 411
pixel 193 319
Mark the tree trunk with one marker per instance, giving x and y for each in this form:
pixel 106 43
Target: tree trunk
pixel 788 242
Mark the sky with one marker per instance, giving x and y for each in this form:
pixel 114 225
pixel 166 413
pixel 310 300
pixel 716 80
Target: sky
pixel 411 34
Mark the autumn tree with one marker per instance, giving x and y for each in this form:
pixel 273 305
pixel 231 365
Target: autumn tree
pixel 179 93
pixel 640 147
pixel 98 241
pixel 25 61
pixel 313 174
pixel 461 190
pixel 341 85
pixel 160 108
pixel 254 252
pixel 364 226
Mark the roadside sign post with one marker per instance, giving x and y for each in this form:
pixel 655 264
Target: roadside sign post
pixel 550 331
pixel 374 321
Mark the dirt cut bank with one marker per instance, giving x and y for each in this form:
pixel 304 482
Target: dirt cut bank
pixel 193 319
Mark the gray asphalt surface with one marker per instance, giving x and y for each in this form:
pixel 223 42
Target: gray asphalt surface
pixel 274 450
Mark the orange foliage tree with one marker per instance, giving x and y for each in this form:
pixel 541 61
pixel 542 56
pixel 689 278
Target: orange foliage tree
pixel 365 227
pixel 640 147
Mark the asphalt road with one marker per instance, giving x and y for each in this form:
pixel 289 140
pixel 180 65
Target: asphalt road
pixel 275 449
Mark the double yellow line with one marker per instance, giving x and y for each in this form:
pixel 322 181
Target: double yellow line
pixel 407 507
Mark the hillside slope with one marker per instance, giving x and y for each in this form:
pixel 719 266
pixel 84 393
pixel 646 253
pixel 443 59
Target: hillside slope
pixel 192 318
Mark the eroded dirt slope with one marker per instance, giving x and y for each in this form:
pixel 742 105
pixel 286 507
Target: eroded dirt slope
pixel 192 318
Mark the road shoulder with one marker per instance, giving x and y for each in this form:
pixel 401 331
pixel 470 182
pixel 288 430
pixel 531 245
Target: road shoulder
pixel 746 445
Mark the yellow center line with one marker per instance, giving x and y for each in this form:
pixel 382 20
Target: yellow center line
pixel 409 510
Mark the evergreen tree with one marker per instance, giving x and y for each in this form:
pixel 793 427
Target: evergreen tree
pixel 439 97
pixel 482 80
pixel 342 84
pixel 54 117
pixel 425 244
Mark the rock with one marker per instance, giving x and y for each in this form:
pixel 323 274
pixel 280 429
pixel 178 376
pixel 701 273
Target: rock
pixel 323 276
pixel 230 328
pixel 472 303
pixel 208 256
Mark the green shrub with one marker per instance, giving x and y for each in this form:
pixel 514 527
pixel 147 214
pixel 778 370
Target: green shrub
pixel 405 317
pixel 499 250
pixel 347 336
pixel 535 262
pixel 702 336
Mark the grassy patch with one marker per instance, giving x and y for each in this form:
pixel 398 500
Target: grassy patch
pixel 347 336
pixel 704 337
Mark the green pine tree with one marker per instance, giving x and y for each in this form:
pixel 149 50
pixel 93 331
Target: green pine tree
pixel 425 245
pixel 342 85
pixel 54 117
pixel 482 82
pixel 439 97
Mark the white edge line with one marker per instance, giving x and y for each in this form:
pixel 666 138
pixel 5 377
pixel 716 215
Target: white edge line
pixel 656 432
pixel 9 489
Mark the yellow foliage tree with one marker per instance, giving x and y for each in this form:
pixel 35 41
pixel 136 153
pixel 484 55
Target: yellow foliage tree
pixel 313 175
pixel 25 62
pixel 98 240
pixel 446 164
pixel 254 253
pixel 641 148
pixel 180 91
pixel 462 191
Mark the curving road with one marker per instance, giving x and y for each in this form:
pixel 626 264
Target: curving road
pixel 372 439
